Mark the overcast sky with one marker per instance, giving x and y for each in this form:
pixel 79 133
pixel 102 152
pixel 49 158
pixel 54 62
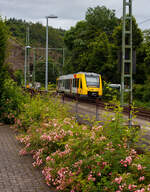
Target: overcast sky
pixel 69 12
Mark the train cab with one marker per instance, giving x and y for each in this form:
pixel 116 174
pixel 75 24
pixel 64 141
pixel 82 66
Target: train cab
pixel 83 84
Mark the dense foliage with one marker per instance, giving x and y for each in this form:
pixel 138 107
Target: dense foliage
pixel 11 96
pixel 53 71
pixel 37 39
pixel 37 33
pixel 94 44
pixel 81 158
pixel 12 101
pixel 3 46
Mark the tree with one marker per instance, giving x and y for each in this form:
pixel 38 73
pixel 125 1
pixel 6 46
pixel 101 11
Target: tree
pixel 18 30
pixel 40 71
pixel 76 40
pixel 100 57
pixel 19 76
pixel 3 46
pixel 137 35
pixel 89 43
pixel 101 18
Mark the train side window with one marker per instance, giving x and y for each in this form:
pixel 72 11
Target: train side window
pixel 74 82
pixel 77 81
pixel 71 82
pixel 68 83
pixel 65 84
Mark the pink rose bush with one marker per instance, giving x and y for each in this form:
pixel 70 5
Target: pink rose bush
pixel 81 158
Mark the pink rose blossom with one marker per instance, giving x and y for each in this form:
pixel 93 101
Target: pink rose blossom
pixel 148 189
pixel 118 180
pixel 141 178
pixel 139 167
pixel 91 178
pixel 131 187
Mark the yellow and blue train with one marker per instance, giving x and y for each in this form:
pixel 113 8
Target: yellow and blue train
pixel 82 84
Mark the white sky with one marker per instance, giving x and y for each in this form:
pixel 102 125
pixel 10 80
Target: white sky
pixel 69 12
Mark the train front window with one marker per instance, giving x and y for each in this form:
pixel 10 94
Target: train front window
pixel 92 81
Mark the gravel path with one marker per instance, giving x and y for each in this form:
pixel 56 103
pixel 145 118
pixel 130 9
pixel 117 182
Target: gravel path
pixel 16 172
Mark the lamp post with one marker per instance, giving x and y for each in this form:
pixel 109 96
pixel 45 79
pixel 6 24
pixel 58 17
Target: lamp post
pixel 26 66
pixel 46 68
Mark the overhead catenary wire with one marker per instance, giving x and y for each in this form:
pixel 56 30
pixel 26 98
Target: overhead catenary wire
pixel 120 9
pixel 144 21
pixel 140 23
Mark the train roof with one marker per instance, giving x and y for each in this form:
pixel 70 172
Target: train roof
pixel 71 76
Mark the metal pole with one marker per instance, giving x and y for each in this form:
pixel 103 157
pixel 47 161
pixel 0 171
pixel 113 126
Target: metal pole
pixel 34 60
pixel 63 59
pixel 123 54
pixel 28 56
pixel 127 59
pixel 28 35
pixel 131 67
pixel 63 98
pixel 46 70
pixel 77 107
pixel 25 68
pixel 28 64
pixel 96 109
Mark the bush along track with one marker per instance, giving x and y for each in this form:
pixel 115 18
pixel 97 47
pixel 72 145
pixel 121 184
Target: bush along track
pixel 80 158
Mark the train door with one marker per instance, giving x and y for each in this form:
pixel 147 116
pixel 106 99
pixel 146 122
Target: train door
pixel 77 86
pixel 80 86
pixel 74 89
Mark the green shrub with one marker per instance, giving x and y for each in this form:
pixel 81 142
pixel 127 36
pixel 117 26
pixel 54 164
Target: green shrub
pixel 3 45
pixel 19 77
pixel 12 101
pixel 81 158
pixel 39 108
pixel 142 92
pixel 138 91
pixel 109 93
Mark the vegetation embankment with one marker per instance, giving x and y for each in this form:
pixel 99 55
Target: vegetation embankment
pixel 77 157
pixel 18 30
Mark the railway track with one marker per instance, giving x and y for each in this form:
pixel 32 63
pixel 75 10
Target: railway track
pixel 139 112
pixel 143 113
